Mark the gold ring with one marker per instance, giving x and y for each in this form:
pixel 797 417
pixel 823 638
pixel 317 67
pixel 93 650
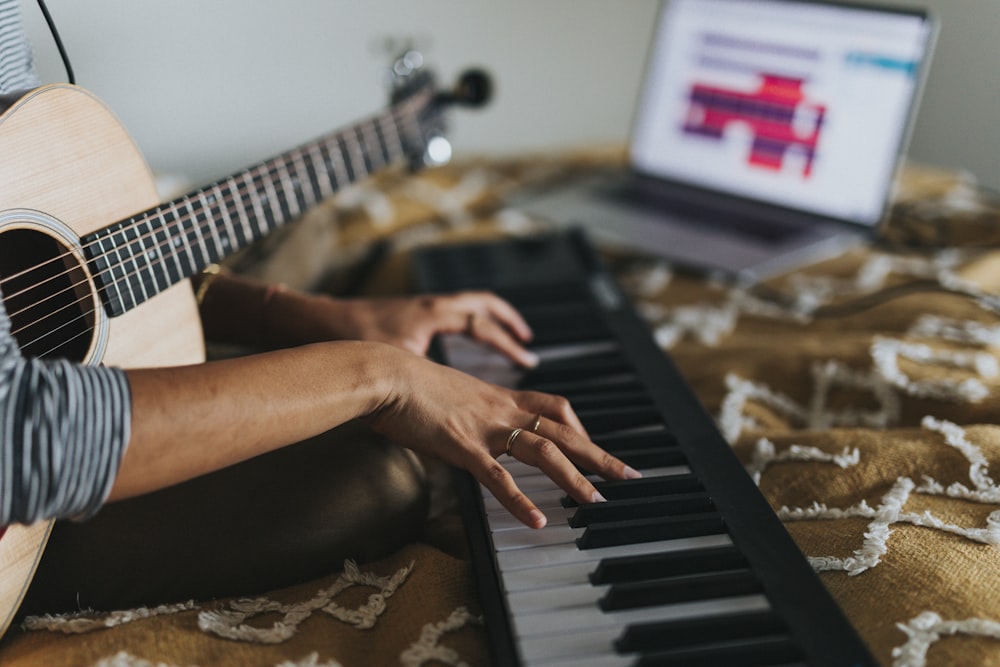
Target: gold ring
pixel 510 439
pixel 538 422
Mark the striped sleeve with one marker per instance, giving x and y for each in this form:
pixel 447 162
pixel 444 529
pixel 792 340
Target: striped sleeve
pixel 63 430
pixel 17 67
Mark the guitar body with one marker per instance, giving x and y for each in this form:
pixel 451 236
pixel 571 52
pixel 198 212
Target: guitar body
pixel 68 168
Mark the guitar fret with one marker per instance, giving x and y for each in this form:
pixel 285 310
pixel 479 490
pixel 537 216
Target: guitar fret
pixel 322 185
pixel 395 150
pixel 151 252
pixel 242 232
pixel 299 166
pixel 165 241
pixel 337 165
pixel 199 238
pixel 217 251
pixel 289 185
pixel 181 239
pixel 390 120
pixel 257 206
pixel 372 149
pixel 357 143
pixel 119 275
pixel 227 240
pixel 346 160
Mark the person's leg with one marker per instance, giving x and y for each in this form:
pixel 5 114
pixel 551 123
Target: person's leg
pixel 279 519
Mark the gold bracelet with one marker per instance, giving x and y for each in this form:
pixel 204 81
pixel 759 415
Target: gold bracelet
pixel 211 272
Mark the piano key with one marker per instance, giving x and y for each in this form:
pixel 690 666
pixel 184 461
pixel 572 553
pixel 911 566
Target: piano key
pixel 614 442
pixel 539 650
pixel 634 531
pixel 505 540
pixel 549 576
pixel 680 588
pixel 610 420
pixel 669 634
pixel 748 652
pixel 558 554
pixel 639 508
pixel 655 565
pixel 578 368
pixel 569 620
pixel 507 521
pixel 615 398
pixel 555 598
pixel 646 486
pixel 543 499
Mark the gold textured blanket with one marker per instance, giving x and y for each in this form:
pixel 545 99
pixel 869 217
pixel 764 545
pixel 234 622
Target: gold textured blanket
pixel 861 393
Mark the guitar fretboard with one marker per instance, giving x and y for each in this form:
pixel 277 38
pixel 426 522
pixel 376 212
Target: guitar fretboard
pixel 137 258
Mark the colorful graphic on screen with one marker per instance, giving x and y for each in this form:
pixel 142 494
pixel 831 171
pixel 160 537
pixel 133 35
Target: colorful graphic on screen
pixel 780 118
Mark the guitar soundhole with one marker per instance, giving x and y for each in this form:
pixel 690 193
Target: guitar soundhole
pixel 46 294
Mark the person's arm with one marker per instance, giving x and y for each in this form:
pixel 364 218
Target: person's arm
pixel 191 420
pixel 242 310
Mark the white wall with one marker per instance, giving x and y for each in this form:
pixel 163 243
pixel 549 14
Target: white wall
pixel 208 86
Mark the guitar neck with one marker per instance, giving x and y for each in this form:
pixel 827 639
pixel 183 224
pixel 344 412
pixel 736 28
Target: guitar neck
pixel 137 258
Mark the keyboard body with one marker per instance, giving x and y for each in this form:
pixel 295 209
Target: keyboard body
pixel 688 565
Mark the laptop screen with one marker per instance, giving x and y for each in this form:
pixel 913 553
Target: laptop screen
pixel 801 104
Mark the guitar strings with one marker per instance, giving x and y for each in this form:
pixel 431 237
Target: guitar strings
pixel 398 112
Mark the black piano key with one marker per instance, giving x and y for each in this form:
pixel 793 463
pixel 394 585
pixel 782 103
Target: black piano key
pixel 609 420
pixel 640 508
pixel 656 566
pixel 749 652
pixel 606 364
pixel 642 459
pixel 680 588
pixel 659 439
pixel 661 485
pixel 635 531
pixel 583 389
pixel 610 399
pixel 665 635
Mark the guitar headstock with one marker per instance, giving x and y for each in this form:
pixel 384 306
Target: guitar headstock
pixel 413 84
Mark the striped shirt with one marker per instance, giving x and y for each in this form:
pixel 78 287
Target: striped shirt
pixel 63 426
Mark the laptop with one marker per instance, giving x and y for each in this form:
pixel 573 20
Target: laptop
pixel 767 134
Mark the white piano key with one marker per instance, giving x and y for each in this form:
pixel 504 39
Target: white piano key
pixel 576 595
pixel 506 521
pixel 537 578
pixel 543 499
pixel 539 650
pixel 604 659
pixel 558 554
pixel 570 620
pixel 506 540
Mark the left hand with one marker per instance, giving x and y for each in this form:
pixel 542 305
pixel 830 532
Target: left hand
pixel 412 322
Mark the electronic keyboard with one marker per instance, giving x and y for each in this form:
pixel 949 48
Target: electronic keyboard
pixel 686 566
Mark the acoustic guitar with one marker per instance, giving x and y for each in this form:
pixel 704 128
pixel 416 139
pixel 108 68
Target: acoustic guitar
pixel 76 287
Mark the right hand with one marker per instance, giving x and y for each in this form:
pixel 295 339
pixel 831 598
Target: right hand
pixel 466 422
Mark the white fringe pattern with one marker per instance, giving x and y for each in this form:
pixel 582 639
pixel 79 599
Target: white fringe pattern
pixel 927 628
pixel 232 623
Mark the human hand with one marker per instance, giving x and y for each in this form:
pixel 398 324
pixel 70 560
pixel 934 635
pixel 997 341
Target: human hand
pixel 412 322
pixel 468 423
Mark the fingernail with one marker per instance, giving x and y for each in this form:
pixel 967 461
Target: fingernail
pixel 530 359
pixel 598 498
pixel 632 473
pixel 538 519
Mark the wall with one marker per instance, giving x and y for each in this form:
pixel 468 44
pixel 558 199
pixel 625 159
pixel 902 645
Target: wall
pixel 207 87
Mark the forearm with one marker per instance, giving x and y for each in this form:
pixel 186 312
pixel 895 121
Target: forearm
pixel 191 420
